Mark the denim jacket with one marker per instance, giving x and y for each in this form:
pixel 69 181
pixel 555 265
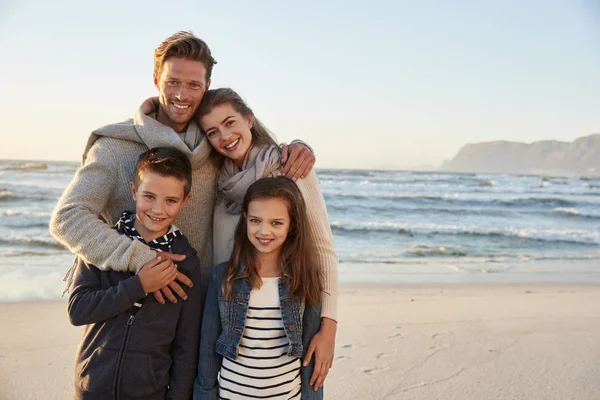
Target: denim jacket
pixel 223 325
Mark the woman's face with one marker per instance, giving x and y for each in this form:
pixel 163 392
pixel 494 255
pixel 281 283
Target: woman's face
pixel 228 132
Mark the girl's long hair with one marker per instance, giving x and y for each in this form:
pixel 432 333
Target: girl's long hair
pixel 216 97
pixel 297 252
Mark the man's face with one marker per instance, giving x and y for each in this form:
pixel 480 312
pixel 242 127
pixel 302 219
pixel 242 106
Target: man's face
pixel 181 85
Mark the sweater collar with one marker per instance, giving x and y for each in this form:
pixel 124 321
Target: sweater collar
pixel 154 134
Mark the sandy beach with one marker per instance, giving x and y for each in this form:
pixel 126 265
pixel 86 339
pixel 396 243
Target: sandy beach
pixel 514 341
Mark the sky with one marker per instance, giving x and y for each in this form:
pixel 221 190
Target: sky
pixel 368 84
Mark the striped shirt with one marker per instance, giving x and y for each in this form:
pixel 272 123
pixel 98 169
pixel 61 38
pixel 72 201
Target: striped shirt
pixel 262 369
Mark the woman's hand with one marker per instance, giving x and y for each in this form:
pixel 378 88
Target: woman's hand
pixel 323 347
pixel 297 161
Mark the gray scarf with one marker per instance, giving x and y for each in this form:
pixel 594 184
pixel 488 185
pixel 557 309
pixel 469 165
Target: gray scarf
pixel 233 182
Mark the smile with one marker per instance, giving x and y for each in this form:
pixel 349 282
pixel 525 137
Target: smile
pixel 180 106
pixel 264 242
pixel 155 219
pixel 232 144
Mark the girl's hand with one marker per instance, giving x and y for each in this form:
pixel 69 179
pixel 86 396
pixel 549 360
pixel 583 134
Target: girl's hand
pixel 323 346
pixel 157 274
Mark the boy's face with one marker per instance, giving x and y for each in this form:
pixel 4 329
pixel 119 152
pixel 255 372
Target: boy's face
pixel 158 200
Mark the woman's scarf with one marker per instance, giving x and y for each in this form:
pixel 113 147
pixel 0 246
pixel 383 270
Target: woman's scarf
pixel 232 183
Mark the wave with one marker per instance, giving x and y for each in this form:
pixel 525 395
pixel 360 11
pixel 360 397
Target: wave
pixel 7 195
pixel 589 178
pixel 24 241
pixel 16 213
pixel 435 251
pixel 516 202
pixel 501 259
pixel 489 183
pixel 582 237
pixel 19 224
pixel 25 166
pixel 576 212
pixel 30 254
pixel 431 180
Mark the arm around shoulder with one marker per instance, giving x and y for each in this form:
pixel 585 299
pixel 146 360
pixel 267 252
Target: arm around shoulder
pixel 320 232
pixel 75 221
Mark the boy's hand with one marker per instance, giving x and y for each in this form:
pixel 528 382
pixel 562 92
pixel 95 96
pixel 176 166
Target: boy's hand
pixel 297 161
pixel 323 346
pixel 157 274
pixel 168 289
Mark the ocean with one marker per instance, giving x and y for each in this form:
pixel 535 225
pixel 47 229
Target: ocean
pixel 389 227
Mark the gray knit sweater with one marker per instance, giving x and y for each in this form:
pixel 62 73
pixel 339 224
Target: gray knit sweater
pixel 99 192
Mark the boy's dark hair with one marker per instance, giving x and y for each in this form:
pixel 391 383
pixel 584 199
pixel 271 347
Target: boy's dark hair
pixel 165 161
pixel 183 45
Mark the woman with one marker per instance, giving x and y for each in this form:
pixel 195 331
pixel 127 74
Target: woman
pixel 248 152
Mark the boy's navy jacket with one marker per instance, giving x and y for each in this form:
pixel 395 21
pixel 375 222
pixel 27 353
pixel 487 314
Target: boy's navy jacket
pixel 223 325
pixel 129 352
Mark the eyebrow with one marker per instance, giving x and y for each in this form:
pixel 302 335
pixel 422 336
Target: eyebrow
pixel 226 118
pixel 274 219
pixel 222 122
pixel 168 197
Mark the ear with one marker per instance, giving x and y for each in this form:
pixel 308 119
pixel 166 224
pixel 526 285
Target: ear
pixel 250 121
pixel 155 81
pixel 208 84
pixel 187 198
pixel 133 190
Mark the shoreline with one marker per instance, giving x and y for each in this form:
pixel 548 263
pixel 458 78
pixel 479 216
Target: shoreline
pixel 41 278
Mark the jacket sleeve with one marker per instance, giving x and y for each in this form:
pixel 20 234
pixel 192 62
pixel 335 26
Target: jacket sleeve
pixel 206 386
pixel 185 345
pixel 89 303
pixel 76 223
pixel 320 233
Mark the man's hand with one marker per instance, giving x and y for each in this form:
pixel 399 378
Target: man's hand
pixel 157 274
pixel 323 346
pixel 297 161
pixel 168 289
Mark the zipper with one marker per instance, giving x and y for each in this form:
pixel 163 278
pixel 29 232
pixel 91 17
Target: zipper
pixel 132 313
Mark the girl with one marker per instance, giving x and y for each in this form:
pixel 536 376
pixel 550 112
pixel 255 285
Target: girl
pixel 246 152
pixel 262 306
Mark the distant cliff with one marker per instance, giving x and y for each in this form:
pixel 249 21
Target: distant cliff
pixel 580 157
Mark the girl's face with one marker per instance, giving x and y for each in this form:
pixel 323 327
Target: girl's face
pixel 228 132
pixel 268 224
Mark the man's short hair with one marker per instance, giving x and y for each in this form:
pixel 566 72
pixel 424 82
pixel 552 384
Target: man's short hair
pixel 183 45
pixel 165 161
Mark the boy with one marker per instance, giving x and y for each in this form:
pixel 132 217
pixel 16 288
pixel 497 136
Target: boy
pixel 133 347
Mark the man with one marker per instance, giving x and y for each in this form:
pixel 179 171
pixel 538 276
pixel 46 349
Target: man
pixel 99 192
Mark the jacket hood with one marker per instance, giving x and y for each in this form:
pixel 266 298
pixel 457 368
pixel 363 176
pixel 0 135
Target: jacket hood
pixel 143 128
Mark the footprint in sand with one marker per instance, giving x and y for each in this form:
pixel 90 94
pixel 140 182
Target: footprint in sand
pixel 339 359
pixel 349 346
pixel 384 355
pixel 375 370
pixel 395 334
pixel 438 335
